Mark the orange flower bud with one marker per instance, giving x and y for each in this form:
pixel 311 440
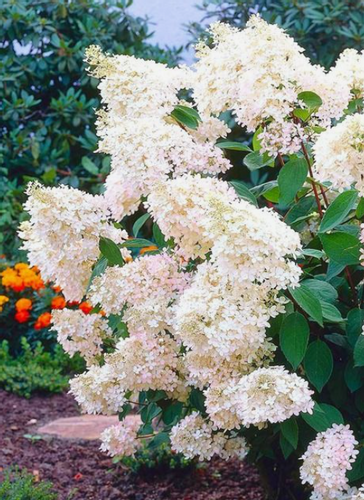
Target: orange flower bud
pixel 22 316
pixel 23 305
pixel 58 303
pixel 85 307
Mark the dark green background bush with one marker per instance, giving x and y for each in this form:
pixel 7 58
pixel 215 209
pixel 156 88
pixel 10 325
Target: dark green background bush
pixel 323 27
pixel 36 371
pixel 48 100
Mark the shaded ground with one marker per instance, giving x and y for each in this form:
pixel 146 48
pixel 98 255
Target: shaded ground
pixel 79 471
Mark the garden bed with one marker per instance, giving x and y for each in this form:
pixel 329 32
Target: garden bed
pixel 79 471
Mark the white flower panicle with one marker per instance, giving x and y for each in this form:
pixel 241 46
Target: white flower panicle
pixel 197 438
pixel 121 439
pixel 132 87
pixel 203 215
pixel 181 207
pixel 80 332
pixel 146 287
pixel 139 96
pixel 258 73
pixel 339 154
pixel 62 236
pixel 98 390
pixel 266 395
pixel 224 323
pixel 145 361
pixel 327 460
pixel 349 71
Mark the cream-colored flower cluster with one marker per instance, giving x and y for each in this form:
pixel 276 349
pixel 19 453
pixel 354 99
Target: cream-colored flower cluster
pixel 195 437
pixel 326 462
pixel 259 72
pixel 121 439
pixel 139 96
pixel 80 332
pixel 144 289
pixel 269 394
pixel 339 154
pixel 62 236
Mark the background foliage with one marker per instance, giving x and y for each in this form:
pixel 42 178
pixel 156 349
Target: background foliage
pixel 48 100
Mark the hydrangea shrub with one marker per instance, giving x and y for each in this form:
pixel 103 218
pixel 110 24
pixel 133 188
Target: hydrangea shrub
pixel 236 329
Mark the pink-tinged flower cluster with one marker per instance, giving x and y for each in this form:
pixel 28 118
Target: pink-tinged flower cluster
pixel 144 289
pixel 121 439
pixel 327 460
pixel 80 332
pixel 269 394
pixel 196 437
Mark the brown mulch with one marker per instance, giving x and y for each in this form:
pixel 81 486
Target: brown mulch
pixel 79 471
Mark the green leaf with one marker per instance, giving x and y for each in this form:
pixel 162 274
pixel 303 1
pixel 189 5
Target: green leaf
pixel 126 409
pixel 359 352
pixel 312 252
pixel 355 321
pixel 139 223
pixel 360 209
pixel 256 142
pixel 186 116
pixel 89 166
pixel 322 289
pixel 312 100
pixel 317 419
pixel 302 114
pixel 158 236
pixel 338 210
pixel 343 248
pixel 333 269
pixel 172 413
pixel 235 146
pixel 160 439
pixel 136 243
pixel 111 251
pixel 289 429
pixel 243 192
pixel 294 336
pixel 331 313
pixel 272 195
pixel 333 415
pixel 197 400
pixel 353 376
pixel 357 472
pixel 301 209
pixel 98 269
pixel 255 160
pixel 308 301
pixel 286 446
pixel 149 412
pixel 291 178
pixel 318 364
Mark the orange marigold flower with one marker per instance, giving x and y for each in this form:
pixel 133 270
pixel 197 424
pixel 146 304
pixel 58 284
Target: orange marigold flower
pixel 22 316
pixel 58 303
pixel 21 265
pixel 57 289
pixel 151 248
pixel 43 321
pixel 3 300
pixel 17 284
pixel 23 305
pixel 85 307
